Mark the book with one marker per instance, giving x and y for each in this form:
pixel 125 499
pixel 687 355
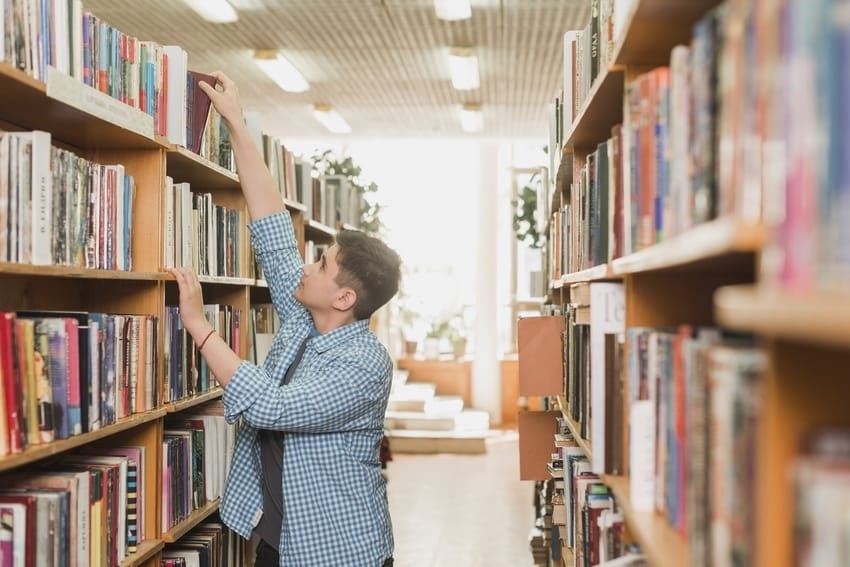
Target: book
pixel 197 108
pixel 76 485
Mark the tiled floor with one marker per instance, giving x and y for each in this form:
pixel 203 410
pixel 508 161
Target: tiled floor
pixel 461 510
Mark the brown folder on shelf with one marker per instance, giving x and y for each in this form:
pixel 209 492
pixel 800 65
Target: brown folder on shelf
pixel 198 108
pixel 541 355
pixel 537 431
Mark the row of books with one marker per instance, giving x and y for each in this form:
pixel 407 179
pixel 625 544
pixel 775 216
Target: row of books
pixel 210 544
pixel 202 234
pixel 61 209
pixel 187 373
pixel 197 449
pixel 701 138
pixel 67 373
pixel 585 512
pixel 87 509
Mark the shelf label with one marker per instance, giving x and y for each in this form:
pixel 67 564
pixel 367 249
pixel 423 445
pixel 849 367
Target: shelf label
pixel 72 92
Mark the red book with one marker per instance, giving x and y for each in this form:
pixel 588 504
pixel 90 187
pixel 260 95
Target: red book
pixel 13 397
pixel 199 108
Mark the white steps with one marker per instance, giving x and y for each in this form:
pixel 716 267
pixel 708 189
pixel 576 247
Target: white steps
pixel 420 421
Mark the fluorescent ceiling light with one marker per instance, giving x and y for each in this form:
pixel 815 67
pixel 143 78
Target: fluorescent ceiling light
pixel 216 11
pixel 463 68
pixel 331 119
pixel 471 117
pixel 280 71
pixel 453 9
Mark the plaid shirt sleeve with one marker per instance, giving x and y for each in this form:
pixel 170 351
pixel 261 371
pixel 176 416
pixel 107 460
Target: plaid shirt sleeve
pixel 276 248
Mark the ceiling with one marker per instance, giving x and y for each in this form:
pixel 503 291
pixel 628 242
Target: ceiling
pixel 381 63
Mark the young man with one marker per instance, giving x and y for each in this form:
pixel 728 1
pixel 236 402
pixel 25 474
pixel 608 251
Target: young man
pixel 306 475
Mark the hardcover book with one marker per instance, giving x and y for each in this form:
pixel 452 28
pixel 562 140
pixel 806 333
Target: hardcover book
pixel 197 108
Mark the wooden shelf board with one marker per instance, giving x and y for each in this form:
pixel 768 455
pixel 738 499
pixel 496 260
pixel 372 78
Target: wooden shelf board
pixel 187 403
pixel 35 110
pixel 186 166
pixel 38 452
pixel 603 109
pixel 575 428
pixel 702 246
pixel 819 318
pixel 195 518
pixel 226 281
pixel 77 272
pixel 567 556
pixel 315 229
pixel 660 543
pixel 144 551
pixel 600 272
pixel 654 27
pixel 294 205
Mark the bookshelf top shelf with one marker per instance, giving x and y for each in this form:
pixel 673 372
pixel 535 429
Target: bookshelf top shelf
pixel 713 244
pixel 654 27
pixel 602 110
pixel 820 318
pixel 74 113
pixel 659 542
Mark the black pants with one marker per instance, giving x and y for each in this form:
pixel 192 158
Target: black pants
pixel 267 556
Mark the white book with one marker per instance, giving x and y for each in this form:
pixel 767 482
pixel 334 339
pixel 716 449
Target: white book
pixel 178 68
pixel 13 516
pixel 642 455
pixel 168 240
pixel 42 198
pixel 607 315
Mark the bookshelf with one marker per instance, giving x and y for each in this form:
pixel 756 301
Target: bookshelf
pixel 737 273
pixel 101 129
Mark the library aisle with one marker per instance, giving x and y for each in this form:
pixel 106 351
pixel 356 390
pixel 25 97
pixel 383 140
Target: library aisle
pixel 461 510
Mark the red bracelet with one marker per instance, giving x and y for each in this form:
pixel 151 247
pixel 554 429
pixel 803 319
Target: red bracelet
pixel 203 342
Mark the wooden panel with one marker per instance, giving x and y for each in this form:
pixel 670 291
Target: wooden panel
pixel 451 377
pixel 661 299
pixel 806 387
pixel 541 355
pixel 536 443
pixel 509 373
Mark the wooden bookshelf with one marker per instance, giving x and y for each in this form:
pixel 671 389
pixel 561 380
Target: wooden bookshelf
pixel 653 26
pixel 814 318
pixel 601 110
pixel 660 543
pixel 717 274
pixel 104 130
pixel 186 525
pixel 719 244
pixel 574 427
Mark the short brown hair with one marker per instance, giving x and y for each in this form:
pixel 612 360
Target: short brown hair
pixel 368 266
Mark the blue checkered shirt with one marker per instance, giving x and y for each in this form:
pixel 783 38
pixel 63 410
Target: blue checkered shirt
pixel 335 510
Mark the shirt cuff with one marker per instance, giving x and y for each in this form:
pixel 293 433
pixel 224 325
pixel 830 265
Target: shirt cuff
pixel 245 387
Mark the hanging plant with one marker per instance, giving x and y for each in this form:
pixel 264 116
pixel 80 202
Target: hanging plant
pixel 525 214
pixel 370 219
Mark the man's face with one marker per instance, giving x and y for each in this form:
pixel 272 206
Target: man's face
pixel 318 289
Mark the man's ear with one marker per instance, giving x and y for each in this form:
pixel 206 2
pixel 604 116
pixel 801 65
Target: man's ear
pixel 346 299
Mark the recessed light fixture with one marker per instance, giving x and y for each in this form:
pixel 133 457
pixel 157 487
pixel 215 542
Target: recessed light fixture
pixel 463 68
pixel 215 11
pixel 471 117
pixel 453 9
pixel 331 119
pixel 280 71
